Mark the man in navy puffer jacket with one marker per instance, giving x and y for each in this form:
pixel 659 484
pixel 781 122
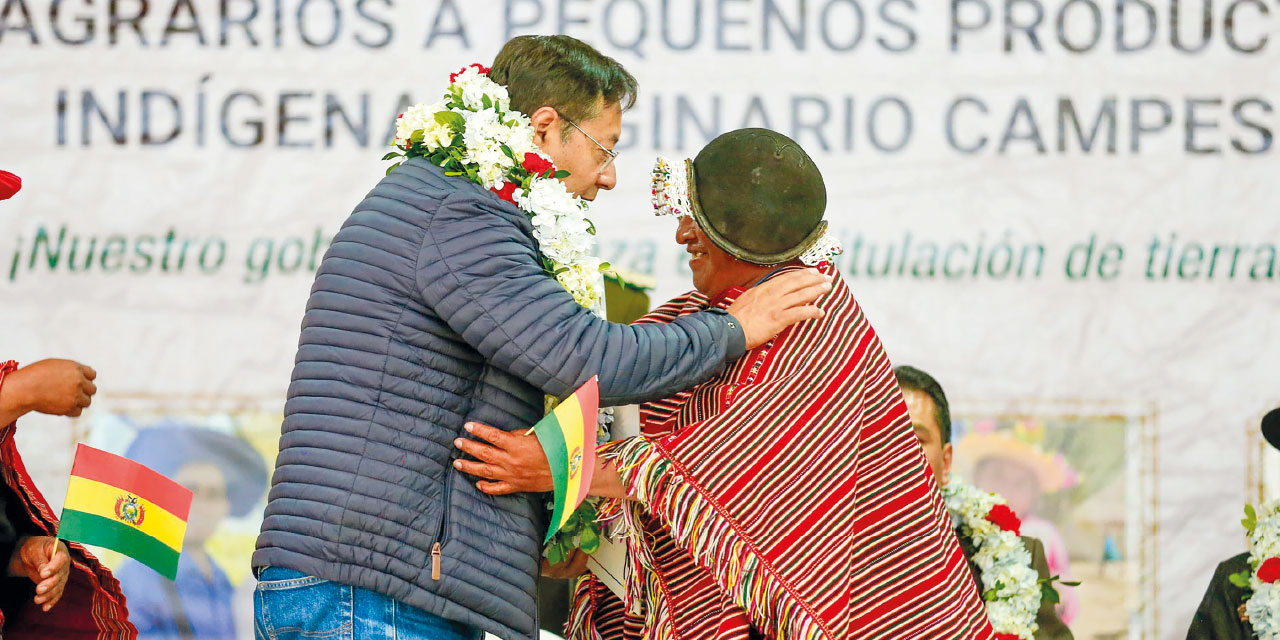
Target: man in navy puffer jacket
pixel 430 310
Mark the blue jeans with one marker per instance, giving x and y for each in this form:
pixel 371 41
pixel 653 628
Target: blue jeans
pixel 288 605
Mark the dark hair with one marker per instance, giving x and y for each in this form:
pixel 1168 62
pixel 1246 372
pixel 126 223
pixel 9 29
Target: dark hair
pixel 913 378
pixel 563 73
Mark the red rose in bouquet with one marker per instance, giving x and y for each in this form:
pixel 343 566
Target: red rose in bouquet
pixel 1004 517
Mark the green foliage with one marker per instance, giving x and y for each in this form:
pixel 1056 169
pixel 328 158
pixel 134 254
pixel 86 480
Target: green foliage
pixel 1049 593
pixel 1250 521
pixel 1241 580
pixel 451 119
pixel 581 531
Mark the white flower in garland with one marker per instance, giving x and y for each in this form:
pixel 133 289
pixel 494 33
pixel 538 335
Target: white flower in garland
pixel 1010 587
pixel 1262 606
pixel 473 134
pixel 421 117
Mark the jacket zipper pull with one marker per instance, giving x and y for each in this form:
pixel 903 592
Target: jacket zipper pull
pixel 435 561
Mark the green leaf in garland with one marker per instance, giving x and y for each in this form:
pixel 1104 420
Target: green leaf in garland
pixel 1250 521
pixel 1048 593
pixel 508 152
pixel 486 102
pixel 591 227
pixel 452 120
pixel 416 137
pixel 392 168
pixel 453 174
pixel 393 154
pixel 560 175
pixel 1240 579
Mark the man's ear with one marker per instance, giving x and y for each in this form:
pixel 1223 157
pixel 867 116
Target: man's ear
pixel 545 121
pixel 946 458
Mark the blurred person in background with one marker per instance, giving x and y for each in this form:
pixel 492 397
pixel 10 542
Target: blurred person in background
pixel 1221 614
pixel 931 421
pixel 227 478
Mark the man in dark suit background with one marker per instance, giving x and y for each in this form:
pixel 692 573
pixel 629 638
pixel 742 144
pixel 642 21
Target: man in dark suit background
pixel 931 419
pixel 1219 616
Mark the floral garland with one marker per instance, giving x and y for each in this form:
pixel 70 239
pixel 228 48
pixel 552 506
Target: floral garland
pixel 474 133
pixel 1261 607
pixel 1011 589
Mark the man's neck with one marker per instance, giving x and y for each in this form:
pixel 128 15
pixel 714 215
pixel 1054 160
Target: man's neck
pixel 749 275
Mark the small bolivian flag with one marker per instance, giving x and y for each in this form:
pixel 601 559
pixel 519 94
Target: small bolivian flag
pixel 116 503
pixel 568 437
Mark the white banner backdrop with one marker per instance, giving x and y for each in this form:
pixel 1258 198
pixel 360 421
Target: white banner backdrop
pixel 1066 210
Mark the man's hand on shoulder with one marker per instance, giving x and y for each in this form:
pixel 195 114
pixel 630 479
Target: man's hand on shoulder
pixel 764 311
pixel 55 387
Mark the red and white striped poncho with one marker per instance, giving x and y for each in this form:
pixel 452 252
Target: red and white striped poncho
pixel 788 493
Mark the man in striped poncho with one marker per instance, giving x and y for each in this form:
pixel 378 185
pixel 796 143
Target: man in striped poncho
pixel 787 497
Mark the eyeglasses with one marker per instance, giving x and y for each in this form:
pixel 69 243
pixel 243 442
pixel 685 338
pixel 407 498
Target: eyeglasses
pixel 610 154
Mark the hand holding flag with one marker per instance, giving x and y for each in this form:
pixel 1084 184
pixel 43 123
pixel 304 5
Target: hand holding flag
pixel 567 439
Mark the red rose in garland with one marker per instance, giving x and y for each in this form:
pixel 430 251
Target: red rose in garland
pixel 536 164
pixel 453 77
pixel 507 192
pixel 1269 572
pixel 1004 517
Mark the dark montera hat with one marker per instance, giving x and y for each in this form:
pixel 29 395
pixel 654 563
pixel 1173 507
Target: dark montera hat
pixel 1271 428
pixel 755 193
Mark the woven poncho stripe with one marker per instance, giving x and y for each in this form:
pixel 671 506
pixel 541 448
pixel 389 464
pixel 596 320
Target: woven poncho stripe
pixel 788 493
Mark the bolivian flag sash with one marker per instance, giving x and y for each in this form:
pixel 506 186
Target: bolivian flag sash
pixel 116 503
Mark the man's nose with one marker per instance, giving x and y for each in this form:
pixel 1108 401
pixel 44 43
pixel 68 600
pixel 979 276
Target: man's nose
pixel 684 232
pixel 608 178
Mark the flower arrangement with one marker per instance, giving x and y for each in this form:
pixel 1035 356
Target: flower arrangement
pixel 1011 589
pixel 473 133
pixel 1261 607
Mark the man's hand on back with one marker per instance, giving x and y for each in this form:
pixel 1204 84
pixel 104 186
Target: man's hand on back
pixel 509 462
pixel 764 311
